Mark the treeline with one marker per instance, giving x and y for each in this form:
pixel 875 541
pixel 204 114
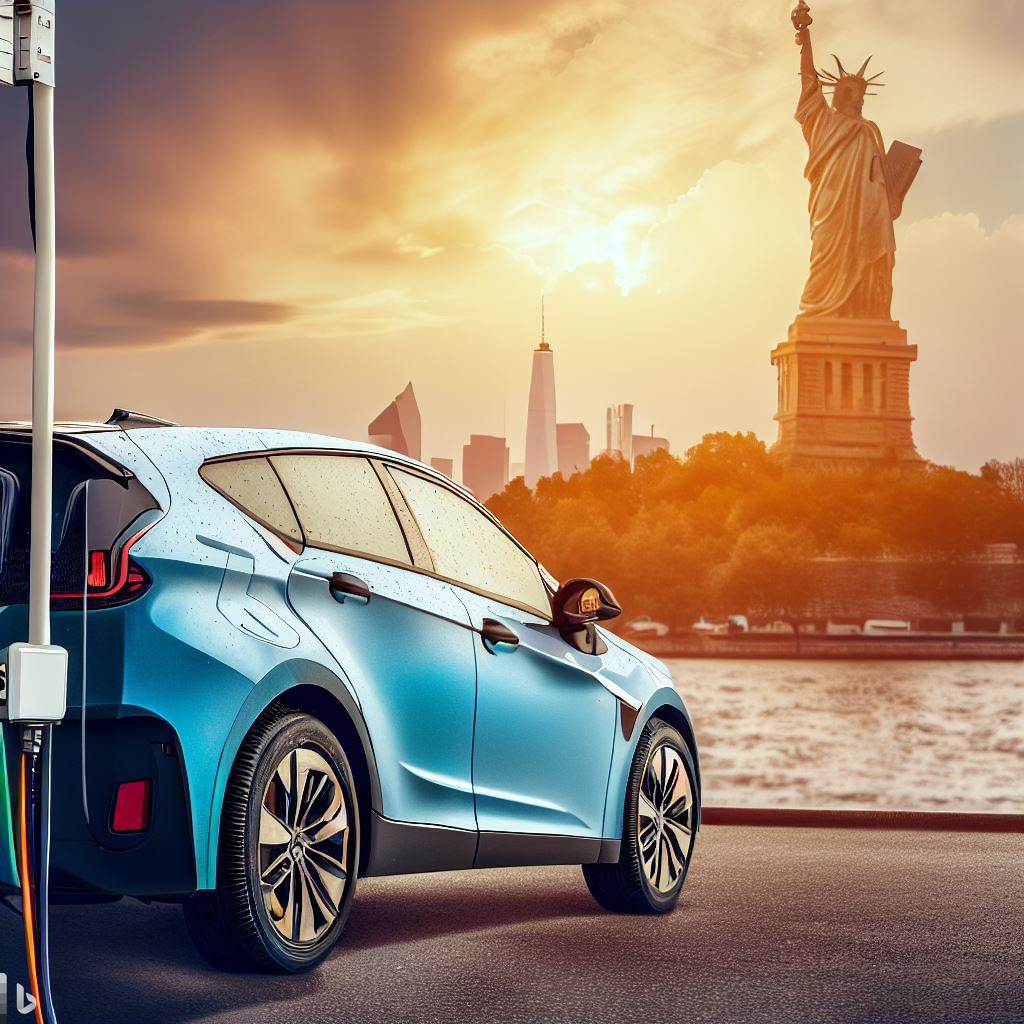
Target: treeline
pixel 725 530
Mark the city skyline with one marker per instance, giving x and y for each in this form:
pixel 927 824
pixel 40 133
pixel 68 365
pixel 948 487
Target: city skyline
pixel 549 447
pixel 486 466
pixel 634 161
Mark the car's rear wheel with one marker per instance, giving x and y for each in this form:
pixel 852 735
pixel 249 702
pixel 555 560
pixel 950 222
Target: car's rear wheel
pixel 659 828
pixel 289 847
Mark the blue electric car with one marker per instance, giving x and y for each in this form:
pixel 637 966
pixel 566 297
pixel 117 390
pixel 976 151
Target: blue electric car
pixel 297 660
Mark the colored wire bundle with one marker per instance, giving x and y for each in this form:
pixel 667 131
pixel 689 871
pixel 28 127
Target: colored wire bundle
pixel 33 867
pixel 27 890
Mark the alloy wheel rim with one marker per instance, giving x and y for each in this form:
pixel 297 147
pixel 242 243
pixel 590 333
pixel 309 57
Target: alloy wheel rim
pixel 303 846
pixel 664 818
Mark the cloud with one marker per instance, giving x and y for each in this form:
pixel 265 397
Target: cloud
pixel 397 184
pixel 558 131
pixel 166 310
pixel 954 288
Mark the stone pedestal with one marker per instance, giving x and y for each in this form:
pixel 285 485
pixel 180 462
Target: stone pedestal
pixel 844 394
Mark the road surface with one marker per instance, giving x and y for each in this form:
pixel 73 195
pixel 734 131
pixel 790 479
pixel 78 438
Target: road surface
pixel 776 925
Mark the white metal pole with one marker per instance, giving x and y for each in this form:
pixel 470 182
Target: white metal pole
pixel 42 367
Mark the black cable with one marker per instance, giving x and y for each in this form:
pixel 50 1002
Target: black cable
pixel 30 159
pixel 85 655
pixel 33 799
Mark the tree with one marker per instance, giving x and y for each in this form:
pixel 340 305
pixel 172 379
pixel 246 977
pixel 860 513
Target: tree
pixel 741 461
pixel 769 574
pixel 665 570
pixel 725 529
pixel 1008 476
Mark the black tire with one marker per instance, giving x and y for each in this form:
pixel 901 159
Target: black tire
pixel 625 887
pixel 232 926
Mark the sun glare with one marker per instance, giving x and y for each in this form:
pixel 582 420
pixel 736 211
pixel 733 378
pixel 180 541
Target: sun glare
pixel 558 240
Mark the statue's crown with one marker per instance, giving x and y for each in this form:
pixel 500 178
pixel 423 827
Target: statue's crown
pixel 830 81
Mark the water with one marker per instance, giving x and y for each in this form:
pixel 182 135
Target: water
pixel 842 734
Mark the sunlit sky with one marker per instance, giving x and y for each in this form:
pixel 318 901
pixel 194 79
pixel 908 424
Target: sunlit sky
pixel 280 215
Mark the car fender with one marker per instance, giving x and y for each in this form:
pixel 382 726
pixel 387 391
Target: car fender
pixel 282 679
pixel 663 702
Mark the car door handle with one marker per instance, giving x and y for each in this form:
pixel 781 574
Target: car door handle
pixel 497 636
pixel 344 586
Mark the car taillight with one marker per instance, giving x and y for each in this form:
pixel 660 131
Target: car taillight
pixel 97 569
pixel 111 580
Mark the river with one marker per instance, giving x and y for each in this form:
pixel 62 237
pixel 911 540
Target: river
pixel 909 735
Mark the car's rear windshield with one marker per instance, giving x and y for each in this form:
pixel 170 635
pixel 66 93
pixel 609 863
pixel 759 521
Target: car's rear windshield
pixel 115 501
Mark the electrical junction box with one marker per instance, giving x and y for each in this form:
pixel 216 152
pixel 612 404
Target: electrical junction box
pixel 26 42
pixel 37 683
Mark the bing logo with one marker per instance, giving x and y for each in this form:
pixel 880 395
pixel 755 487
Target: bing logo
pixel 25 1001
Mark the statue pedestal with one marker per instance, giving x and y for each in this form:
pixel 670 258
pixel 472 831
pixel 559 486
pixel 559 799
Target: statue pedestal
pixel 844 394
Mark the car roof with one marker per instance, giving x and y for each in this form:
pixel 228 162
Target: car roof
pixel 65 427
pixel 202 443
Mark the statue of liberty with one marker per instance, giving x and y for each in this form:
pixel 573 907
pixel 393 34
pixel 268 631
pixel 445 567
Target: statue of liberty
pixel 857 190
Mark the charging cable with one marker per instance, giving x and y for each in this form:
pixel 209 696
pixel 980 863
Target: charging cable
pixel 85 653
pixel 31 740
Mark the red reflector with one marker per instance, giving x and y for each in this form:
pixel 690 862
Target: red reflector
pixel 97 569
pixel 131 808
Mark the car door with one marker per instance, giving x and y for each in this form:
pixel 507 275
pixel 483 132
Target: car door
pixel 401 637
pixel 545 724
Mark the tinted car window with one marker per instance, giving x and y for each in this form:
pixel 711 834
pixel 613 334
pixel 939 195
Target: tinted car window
pixel 254 487
pixel 114 504
pixel 342 505
pixel 468 547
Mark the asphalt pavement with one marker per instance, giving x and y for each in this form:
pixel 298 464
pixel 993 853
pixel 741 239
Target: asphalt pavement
pixel 776 925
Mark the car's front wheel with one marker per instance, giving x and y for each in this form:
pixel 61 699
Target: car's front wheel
pixel 658 831
pixel 289 848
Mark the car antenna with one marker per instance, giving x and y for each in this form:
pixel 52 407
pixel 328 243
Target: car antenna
pixel 127 418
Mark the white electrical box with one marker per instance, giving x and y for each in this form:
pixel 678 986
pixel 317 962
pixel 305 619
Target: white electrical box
pixel 26 42
pixel 37 683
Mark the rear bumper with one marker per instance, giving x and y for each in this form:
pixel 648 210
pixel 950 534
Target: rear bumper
pixel 87 857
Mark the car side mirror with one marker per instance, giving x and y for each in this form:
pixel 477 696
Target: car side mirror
pixel 582 601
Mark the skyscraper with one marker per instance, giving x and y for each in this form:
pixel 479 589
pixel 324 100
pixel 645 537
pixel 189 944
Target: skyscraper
pixel 398 426
pixel 446 466
pixel 485 465
pixel 644 444
pixel 620 431
pixel 573 449
pixel 541 437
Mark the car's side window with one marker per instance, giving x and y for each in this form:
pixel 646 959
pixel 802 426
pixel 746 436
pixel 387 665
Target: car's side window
pixel 342 505
pixel 251 485
pixel 466 546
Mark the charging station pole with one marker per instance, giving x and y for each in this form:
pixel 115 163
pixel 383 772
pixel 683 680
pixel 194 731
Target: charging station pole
pixel 42 366
pixel 35 675
pixel 26 58
pixel 37 671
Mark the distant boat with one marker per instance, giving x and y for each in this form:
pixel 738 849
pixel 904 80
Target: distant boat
pixel 645 626
pixel 843 629
pixel 886 627
pixel 715 627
